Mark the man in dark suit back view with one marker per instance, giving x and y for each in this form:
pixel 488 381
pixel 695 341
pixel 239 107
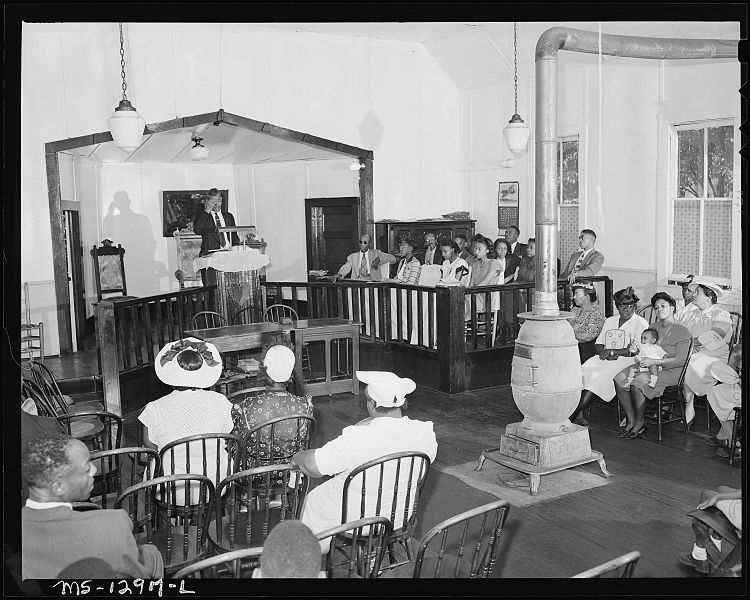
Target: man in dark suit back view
pixel 511 236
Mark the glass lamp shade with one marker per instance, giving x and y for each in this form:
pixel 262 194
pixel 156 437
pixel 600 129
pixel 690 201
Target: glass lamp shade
pixel 126 126
pixel 198 153
pixel 516 134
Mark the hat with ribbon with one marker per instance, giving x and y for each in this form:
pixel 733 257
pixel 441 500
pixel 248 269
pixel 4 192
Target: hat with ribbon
pixel 279 363
pixel 170 372
pixel 386 389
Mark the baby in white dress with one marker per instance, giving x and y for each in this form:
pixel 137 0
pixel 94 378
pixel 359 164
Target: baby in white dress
pixel 647 348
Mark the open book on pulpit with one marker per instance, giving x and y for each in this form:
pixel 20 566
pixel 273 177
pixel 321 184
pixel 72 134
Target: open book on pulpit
pixel 246 233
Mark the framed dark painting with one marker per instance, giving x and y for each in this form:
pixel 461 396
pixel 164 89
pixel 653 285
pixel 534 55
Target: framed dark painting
pixel 181 206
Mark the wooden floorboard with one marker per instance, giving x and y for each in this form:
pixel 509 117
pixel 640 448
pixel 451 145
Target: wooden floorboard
pixel 642 507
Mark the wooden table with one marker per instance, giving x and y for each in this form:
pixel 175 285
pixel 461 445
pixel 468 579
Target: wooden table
pixel 235 338
pixel 328 330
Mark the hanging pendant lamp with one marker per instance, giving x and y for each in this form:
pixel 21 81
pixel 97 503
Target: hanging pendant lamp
pixel 198 151
pixel 516 132
pixel 125 125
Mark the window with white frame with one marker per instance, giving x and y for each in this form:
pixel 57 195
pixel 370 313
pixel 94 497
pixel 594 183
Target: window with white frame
pixel 702 199
pixel 567 196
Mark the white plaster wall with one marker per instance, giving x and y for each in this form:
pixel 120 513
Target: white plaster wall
pixel 386 96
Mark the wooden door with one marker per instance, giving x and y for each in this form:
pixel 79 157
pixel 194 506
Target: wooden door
pixel 75 254
pixel 332 232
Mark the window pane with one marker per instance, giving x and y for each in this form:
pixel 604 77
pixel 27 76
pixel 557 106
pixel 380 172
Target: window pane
pixel 690 163
pixel 686 232
pixel 568 233
pixel 559 172
pixel 570 172
pixel 717 238
pixel 720 167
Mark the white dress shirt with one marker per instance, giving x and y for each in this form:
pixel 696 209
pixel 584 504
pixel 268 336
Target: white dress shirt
pixel 34 504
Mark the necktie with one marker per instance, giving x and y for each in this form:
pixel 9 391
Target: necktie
pixel 363 273
pixel 579 262
pixel 218 224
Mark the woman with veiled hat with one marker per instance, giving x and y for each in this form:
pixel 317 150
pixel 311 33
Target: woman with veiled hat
pixel 190 366
pixel 599 371
pixel 711 329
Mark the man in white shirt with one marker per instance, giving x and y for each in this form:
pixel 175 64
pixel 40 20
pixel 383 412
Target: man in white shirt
pixel 585 263
pixel 386 431
pixel 432 255
pixel 365 264
pixel 59 472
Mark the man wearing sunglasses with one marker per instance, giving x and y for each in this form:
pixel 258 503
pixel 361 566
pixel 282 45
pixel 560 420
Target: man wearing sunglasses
pixel 364 264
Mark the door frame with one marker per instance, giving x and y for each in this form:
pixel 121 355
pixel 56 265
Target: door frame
pixel 323 202
pixel 76 271
pixel 56 217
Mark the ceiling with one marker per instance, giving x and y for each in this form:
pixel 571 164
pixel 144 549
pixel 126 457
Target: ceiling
pixel 227 144
pixel 471 54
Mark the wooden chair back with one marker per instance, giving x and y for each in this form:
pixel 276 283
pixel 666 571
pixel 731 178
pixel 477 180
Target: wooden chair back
pixel 226 565
pixel 389 486
pixel 208 319
pixel 277 440
pixel 98 429
pixel 249 314
pixel 466 545
pixel 647 312
pixel 251 502
pixel 47 381
pixel 213 455
pixel 276 312
pixel 152 509
pixel 109 269
pixel 122 465
pixel 45 406
pixel 620 567
pixel 238 395
pixel 736 328
pixel 363 546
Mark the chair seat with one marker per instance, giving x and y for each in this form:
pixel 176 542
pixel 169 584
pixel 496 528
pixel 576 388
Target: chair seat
pixel 177 559
pixel 83 429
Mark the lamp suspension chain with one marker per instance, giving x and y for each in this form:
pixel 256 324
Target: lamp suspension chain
pixel 515 67
pixel 122 64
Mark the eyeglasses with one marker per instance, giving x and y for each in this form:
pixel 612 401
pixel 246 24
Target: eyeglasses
pixel 361 243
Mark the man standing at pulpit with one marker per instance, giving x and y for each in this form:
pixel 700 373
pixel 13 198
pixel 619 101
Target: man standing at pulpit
pixel 207 222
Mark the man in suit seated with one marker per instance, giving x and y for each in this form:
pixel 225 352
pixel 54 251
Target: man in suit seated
pixel 585 263
pixel 58 471
pixel 516 247
pixel 364 264
pixel 432 255
pixel 463 243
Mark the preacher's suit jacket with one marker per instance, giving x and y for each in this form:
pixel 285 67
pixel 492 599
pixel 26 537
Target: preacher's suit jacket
pixel 204 226
pixel 54 538
pixel 589 267
pixel 352 264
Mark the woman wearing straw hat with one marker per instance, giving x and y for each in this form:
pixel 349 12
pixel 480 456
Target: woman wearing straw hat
pixel 711 328
pixel 190 366
pixel 257 408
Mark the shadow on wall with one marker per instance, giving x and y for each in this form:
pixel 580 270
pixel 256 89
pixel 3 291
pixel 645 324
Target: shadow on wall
pixel 134 232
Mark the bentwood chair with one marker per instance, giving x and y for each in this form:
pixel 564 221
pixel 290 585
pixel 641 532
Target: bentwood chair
pixel 249 314
pixel 246 513
pixel 98 429
pixel 621 567
pixel 466 545
pixel 118 469
pixel 181 539
pixel 208 319
pixel 647 312
pixel 362 548
pixel 276 312
pixel 46 381
pixel 389 486
pixel 277 440
pixel 671 399
pixel 44 407
pixel 235 564
pixel 736 433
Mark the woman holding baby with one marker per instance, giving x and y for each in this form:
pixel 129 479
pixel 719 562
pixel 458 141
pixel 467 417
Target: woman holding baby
pixel 673 339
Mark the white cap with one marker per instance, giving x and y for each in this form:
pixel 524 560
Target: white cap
pixel 385 388
pixel 709 284
pixel 279 363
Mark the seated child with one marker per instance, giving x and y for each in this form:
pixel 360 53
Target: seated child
pixel 648 348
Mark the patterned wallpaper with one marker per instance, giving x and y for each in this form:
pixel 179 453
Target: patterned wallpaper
pixel 717 238
pixel 686 233
pixel 568 235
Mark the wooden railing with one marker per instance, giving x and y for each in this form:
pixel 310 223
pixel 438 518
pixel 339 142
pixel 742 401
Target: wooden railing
pixel 442 321
pixel 131 332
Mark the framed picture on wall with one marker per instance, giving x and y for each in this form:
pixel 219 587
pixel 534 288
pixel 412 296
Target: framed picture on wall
pixel 181 206
pixel 507 204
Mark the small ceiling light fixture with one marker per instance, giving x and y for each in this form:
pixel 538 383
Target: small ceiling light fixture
pixel 516 132
pixel 356 165
pixel 125 125
pixel 198 151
